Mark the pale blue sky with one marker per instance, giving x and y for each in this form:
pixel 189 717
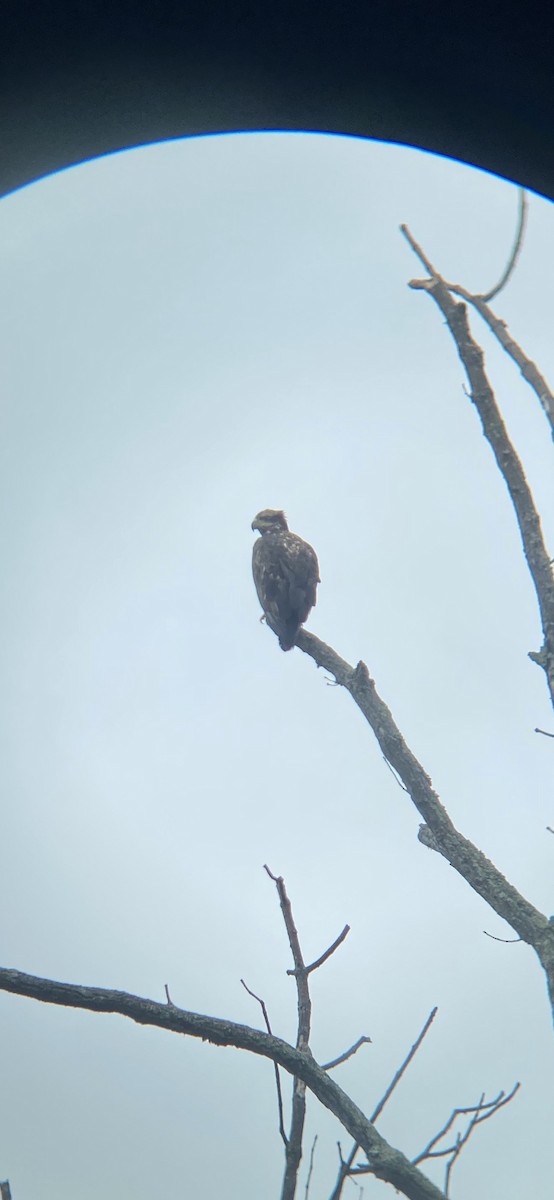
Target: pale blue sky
pixel 192 332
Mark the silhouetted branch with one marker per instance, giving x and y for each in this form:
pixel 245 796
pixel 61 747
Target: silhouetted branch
pixel 528 368
pixel 347 1054
pixel 511 264
pixel 507 941
pixel 478 1113
pixel 470 862
pixel 388 1163
pixel 498 327
pixel 300 972
pixel 293 1153
pixel 509 465
pixel 275 1067
pixel 516 248
pixel 323 957
pixel 346 1165
pixel 396 1078
pixel 310 1168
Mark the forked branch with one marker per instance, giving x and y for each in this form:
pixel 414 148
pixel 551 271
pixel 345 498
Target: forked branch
pixel 477 1113
pixel 300 972
pixel 293 1151
pixel 347 1165
pixel 515 251
pixel 482 396
pixel 439 832
pixel 276 1068
pixel 387 1163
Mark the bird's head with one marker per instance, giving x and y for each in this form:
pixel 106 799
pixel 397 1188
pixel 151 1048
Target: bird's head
pixel 270 518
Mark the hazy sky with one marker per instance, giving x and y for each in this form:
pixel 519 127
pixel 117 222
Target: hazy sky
pixel 192 332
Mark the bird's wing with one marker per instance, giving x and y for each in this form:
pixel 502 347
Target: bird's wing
pixel 298 562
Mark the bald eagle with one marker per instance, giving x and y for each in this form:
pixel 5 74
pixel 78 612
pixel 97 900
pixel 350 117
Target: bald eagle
pixel 286 575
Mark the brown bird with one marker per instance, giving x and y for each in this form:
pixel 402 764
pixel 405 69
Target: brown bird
pixel 286 575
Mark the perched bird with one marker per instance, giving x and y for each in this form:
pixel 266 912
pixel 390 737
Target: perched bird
pixel 286 575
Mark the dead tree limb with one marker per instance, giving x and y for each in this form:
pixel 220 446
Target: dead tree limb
pixel 481 301
pixel 347 1164
pixel 293 1150
pixel 342 1058
pixel 477 1114
pixel 403 1067
pixel 528 368
pixel 310 1168
pixel 439 833
pixel 318 962
pixel 276 1068
pixel 515 251
pixel 387 1163
pixel 482 396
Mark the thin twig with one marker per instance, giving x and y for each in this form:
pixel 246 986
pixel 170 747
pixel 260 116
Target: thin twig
pixel 346 1165
pixel 507 941
pixel 477 1119
pixel 544 732
pixel 410 1055
pixel 323 957
pixel 425 262
pixel 507 460
pixel 275 1067
pixel 479 1112
pixel 347 1054
pixel 310 1168
pixel 516 248
pixel 528 369
pixel 293 1152
pixel 499 328
pixel 394 775
pixel 261 1003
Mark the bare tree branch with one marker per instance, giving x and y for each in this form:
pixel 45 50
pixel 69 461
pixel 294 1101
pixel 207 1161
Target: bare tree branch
pixel 510 266
pixel 310 1168
pixel 300 972
pixel 528 368
pixel 275 1067
pixel 476 1120
pixel 439 832
pixel 387 1163
pixel 507 941
pixel 347 1054
pixel 516 248
pixel 323 957
pixel 509 465
pixel 404 1066
pixel 346 1165
pixel 293 1152
pixel 478 1113
pixel 480 302
pixel 487 1109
